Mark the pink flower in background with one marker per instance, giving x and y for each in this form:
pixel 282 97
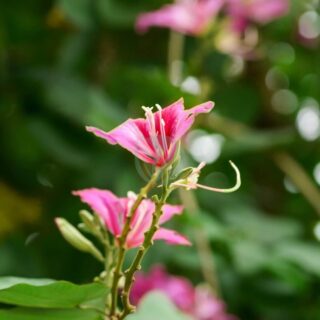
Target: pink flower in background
pixel 154 139
pixel 114 210
pixel 184 16
pixel 179 290
pixel 242 12
pixel 196 302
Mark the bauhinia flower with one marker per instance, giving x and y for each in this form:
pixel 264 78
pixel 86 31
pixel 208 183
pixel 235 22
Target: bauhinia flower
pixel 154 139
pixel 199 303
pixel 114 211
pixel 191 180
pixel 185 16
pixel 242 12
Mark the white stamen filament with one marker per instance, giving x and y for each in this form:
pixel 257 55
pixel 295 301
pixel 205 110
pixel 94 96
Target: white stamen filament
pixel 152 127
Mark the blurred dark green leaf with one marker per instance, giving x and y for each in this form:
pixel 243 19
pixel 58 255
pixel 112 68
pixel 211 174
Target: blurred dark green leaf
pixel 37 314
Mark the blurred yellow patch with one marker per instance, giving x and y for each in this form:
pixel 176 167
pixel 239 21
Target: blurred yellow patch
pixel 56 18
pixel 16 209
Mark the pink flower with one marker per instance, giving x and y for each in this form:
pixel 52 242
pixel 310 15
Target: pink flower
pixel 114 210
pixel 179 290
pixel 185 16
pixel 208 307
pixel 154 139
pixel 196 302
pixel 242 12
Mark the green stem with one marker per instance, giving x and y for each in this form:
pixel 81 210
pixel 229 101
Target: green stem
pixel 122 242
pixel 147 243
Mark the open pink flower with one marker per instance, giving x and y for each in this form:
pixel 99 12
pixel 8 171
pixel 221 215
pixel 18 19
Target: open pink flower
pixel 154 139
pixel 185 16
pixel 242 12
pixel 198 302
pixel 114 210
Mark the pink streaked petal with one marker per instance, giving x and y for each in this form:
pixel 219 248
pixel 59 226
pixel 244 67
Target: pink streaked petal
pixel 133 242
pixel 101 134
pixel 130 136
pixel 171 237
pixel 141 223
pixel 172 115
pixel 201 108
pixel 105 204
pixel 169 211
pixel 187 120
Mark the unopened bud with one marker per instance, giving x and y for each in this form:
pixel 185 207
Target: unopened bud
pixel 76 239
pixel 184 174
pixel 88 221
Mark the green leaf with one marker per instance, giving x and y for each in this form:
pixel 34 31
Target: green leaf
pixel 81 102
pixel 157 306
pixel 59 294
pixel 258 142
pixel 40 314
pixel 79 12
pixel 6 282
pixel 251 223
pixel 249 257
pixel 304 255
pixel 116 13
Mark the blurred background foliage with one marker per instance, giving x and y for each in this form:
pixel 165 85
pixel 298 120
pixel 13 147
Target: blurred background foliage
pixel 65 64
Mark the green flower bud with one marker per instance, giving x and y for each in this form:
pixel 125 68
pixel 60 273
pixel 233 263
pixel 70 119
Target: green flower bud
pixel 184 174
pixel 76 239
pixel 88 221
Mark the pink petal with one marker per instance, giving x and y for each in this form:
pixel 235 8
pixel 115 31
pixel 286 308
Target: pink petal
pixel 185 122
pixel 171 237
pixel 189 17
pixel 211 7
pixel 264 11
pixel 131 135
pixel 169 211
pixel 105 204
pixel 140 223
pixel 260 11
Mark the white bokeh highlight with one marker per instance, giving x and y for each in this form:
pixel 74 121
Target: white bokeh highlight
pixel 203 146
pixel 316 173
pixel 308 120
pixel 309 25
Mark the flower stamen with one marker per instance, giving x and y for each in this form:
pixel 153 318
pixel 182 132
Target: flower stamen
pixel 152 129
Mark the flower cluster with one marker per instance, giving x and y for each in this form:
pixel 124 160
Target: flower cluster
pixel 135 221
pixel 194 16
pixel 236 33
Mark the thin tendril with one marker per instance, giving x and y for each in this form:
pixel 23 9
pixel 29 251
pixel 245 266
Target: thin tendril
pixel 228 190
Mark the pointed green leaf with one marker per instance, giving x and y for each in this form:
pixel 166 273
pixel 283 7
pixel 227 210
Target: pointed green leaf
pixel 40 314
pixel 59 294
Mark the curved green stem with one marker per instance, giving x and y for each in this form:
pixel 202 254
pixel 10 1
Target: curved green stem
pixel 147 243
pixel 122 242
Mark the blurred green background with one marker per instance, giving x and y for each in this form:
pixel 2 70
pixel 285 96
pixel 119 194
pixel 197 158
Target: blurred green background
pixel 66 64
